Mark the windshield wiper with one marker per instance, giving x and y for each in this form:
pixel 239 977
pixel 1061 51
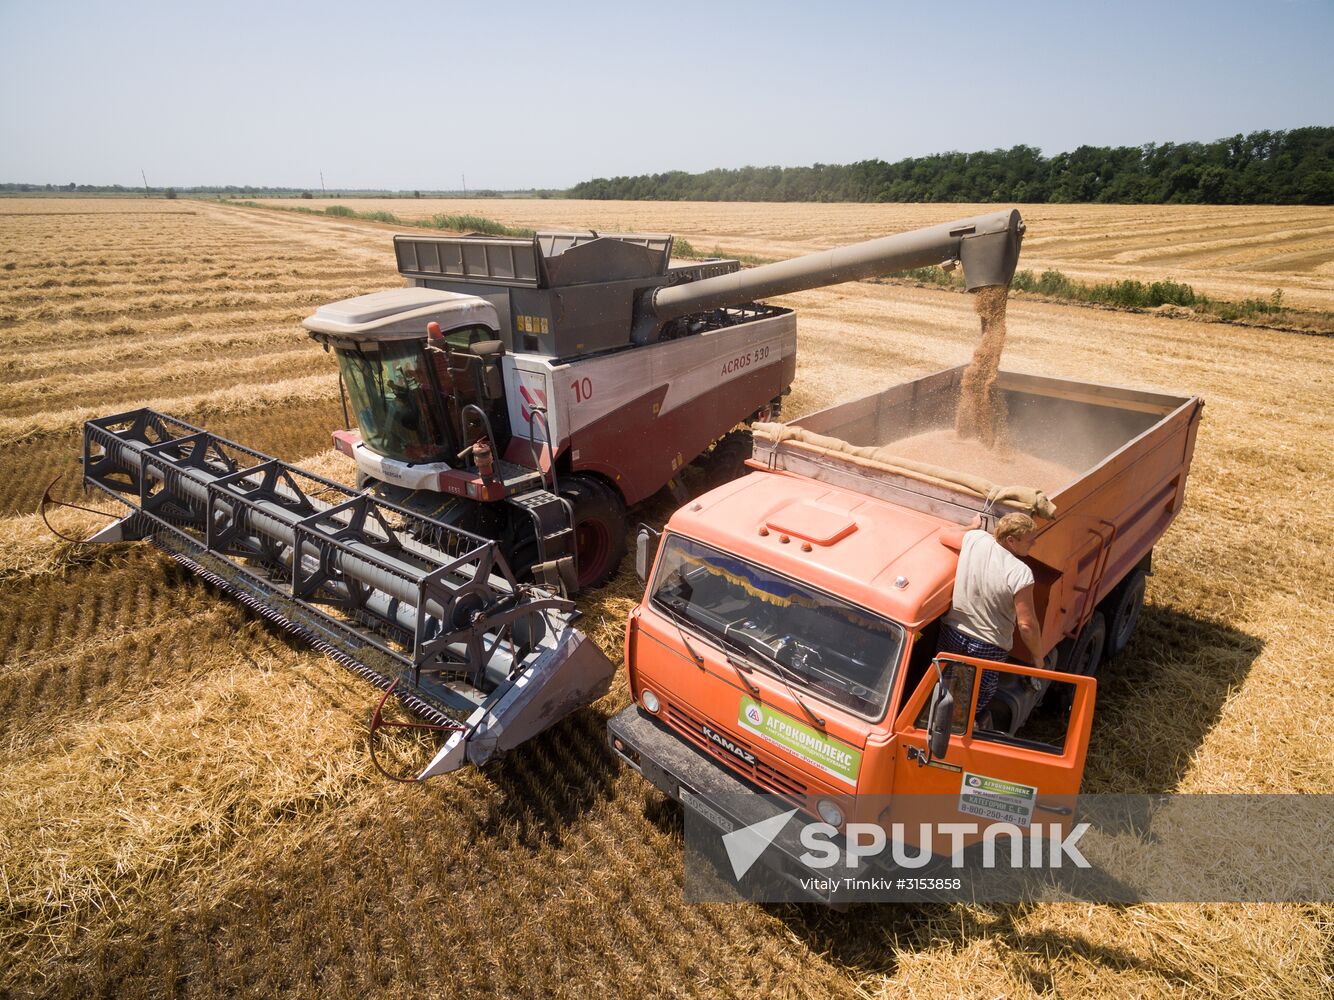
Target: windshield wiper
pixel 677 618
pixel 741 670
pixel 758 648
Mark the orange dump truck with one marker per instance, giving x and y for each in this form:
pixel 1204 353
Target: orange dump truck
pixel 786 642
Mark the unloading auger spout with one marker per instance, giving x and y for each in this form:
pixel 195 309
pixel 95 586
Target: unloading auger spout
pixel 986 245
pixel 403 600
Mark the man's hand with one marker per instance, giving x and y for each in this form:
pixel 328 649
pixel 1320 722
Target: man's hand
pixel 953 539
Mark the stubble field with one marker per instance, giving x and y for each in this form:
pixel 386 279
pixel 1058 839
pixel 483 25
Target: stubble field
pixel 186 802
pixel 1228 252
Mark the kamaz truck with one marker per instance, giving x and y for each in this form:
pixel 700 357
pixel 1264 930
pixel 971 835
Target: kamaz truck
pixel 787 642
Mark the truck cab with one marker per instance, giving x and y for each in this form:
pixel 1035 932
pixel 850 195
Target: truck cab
pixel 788 630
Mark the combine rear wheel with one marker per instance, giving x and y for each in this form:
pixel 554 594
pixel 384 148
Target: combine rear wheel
pixel 727 460
pixel 599 528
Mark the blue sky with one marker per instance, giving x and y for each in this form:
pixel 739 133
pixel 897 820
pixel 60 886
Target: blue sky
pixel 518 95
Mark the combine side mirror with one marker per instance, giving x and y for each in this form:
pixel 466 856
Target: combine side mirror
pixel 490 352
pixel 646 550
pixel 493 383
pixel 940 719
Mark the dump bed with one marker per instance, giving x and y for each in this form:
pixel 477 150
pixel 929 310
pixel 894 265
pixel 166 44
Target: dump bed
pixel 1103 469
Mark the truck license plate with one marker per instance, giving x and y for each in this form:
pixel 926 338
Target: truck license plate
pixel 692 801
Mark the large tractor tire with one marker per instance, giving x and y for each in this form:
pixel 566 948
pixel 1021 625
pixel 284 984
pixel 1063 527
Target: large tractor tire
pixel 1123 610
pixel 599 528
pixel 727 460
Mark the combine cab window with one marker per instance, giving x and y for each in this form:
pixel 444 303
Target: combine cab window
pixel 392 399
pixel 840 653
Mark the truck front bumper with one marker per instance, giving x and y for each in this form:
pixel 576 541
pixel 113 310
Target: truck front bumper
pixel 722 799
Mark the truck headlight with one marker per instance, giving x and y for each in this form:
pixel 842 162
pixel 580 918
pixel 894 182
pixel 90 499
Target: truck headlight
pixel 830 812
pixel 650 701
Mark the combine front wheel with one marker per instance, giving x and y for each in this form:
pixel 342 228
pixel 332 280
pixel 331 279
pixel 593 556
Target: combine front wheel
pixel 599 528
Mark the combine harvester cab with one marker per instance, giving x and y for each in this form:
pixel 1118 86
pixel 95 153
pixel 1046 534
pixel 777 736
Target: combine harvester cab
pixel 413 605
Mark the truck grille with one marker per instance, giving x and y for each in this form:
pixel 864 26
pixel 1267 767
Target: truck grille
pixel 762 774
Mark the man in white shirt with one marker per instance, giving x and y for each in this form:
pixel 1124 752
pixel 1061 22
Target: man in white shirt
pixel 993 593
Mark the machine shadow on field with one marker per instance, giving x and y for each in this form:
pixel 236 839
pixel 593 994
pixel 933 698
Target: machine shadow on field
pixel 867 939
pixel 552 781
pixel 1156 704
pixel 1159 699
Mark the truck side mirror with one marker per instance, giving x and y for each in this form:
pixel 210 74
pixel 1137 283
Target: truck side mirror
pixel 941 719
pixel 646 550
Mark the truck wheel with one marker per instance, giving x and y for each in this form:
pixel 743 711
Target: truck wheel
pixel 1086 653
pixel 1123 611
pixel 727 460
pixel 599 528
pixel 1082 657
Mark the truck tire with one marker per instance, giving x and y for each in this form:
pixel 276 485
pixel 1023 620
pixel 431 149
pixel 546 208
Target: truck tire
pixel 1081 657
pixel 727 460
pixel 1086 653
pixel 599 528
pixel 1123 611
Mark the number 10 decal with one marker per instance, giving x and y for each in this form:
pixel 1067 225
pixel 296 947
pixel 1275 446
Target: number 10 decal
pixel 583 389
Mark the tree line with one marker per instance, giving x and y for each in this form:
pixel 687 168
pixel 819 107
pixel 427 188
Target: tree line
pixel 1294 167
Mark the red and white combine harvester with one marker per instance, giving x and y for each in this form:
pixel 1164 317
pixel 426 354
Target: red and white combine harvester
pixel 503 410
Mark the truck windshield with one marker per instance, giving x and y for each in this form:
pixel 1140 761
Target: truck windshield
pixel 391 398
pixel 837 651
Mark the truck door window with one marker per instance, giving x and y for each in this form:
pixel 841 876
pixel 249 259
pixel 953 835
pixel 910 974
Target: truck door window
pixel 1042 712
pixel 959 680
pixel 842 654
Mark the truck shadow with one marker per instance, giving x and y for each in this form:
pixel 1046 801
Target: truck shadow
pixel 1159 699
pixel 1032 946
pixel 1156 704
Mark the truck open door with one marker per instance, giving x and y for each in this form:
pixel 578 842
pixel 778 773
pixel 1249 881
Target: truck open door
pixel 984 773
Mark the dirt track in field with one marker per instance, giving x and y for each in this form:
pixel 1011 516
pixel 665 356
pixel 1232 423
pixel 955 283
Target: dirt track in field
pixel 186 804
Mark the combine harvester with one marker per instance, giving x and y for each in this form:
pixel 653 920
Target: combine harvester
pixel 509 403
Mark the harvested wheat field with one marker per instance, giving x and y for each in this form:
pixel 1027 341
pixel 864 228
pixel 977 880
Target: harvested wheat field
pixel 1229 252
pixel 187 806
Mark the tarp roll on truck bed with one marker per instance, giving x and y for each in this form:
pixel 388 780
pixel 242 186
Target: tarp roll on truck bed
pixel 883 459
